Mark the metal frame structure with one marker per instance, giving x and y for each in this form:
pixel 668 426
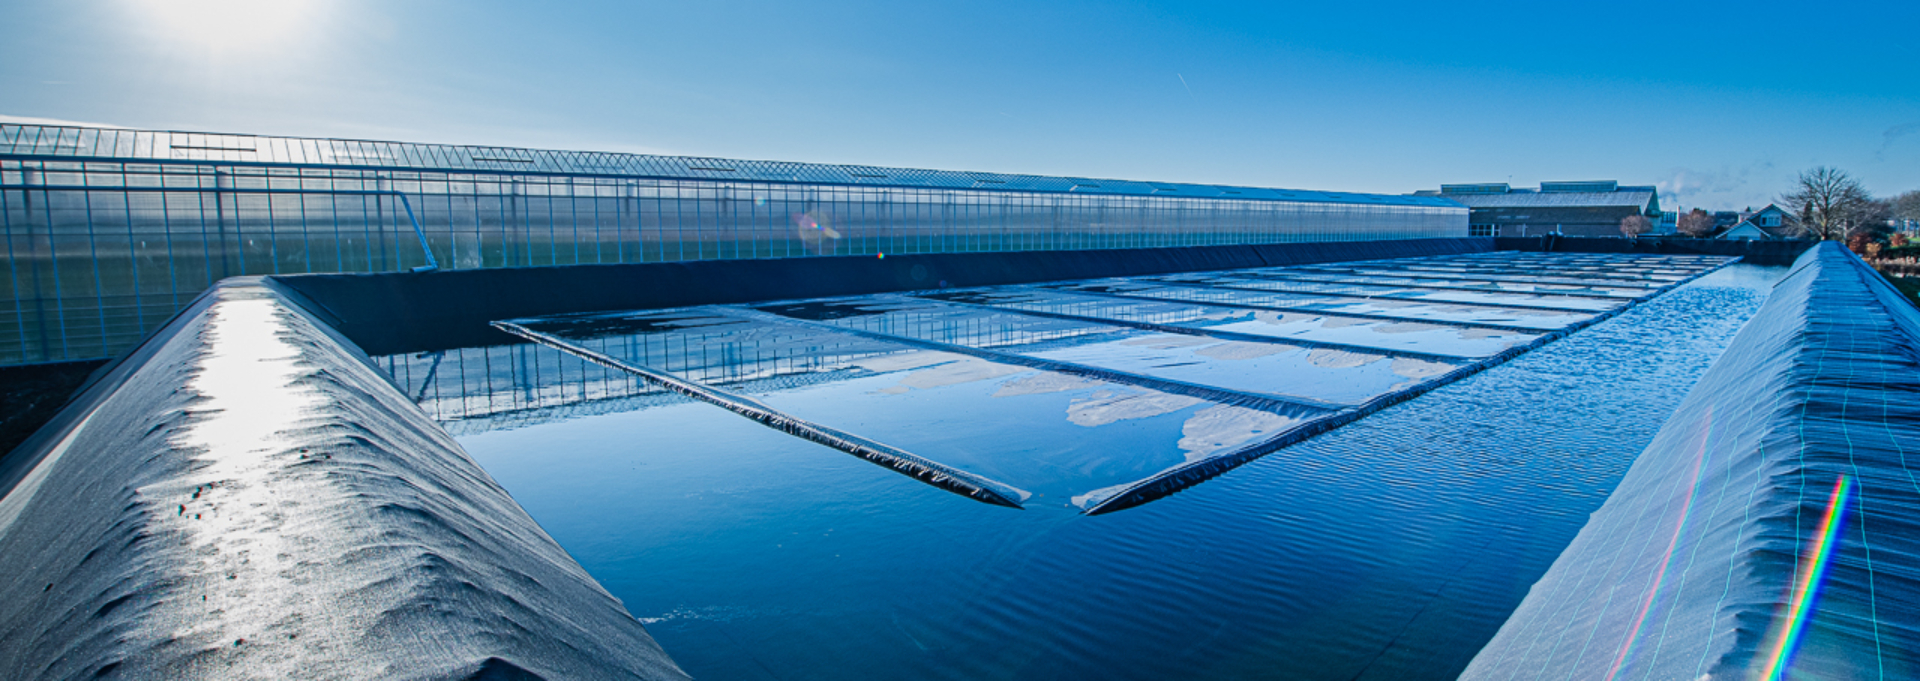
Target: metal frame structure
pixel 110 232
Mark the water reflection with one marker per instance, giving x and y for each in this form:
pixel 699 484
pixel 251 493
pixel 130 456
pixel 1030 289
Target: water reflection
pixel 1099 393
pixel 1390 548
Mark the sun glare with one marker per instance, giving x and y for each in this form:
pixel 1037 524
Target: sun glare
pixel 231 25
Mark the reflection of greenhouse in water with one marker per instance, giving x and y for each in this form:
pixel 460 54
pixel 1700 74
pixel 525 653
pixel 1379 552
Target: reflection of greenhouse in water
pixel 109 232
pixel 1337 438
pixel 1083 397
pixel 1247 360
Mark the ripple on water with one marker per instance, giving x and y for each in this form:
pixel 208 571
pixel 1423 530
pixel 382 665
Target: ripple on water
pixel 1391 548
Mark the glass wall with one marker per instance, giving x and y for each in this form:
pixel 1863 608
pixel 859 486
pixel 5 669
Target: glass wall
pixel 109 232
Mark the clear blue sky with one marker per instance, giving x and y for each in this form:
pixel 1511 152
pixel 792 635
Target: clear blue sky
pixel 1719 104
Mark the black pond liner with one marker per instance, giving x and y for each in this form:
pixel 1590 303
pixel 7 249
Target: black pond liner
pixel 1277 307
pixel 1709 558
pixel 912 465
pixel 1314 417
pixel 1182 477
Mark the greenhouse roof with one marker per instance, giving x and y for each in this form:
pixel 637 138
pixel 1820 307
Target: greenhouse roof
pixel 68 143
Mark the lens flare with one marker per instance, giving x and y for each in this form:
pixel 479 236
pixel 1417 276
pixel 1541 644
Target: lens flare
pixel 1813 568
pixel 1679 527
pixel 232 25
pixel 814 233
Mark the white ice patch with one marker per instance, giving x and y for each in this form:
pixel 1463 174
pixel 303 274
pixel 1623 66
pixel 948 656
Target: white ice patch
pixel 1167 341
pixel 1102 410
pixel 1045 382
pixel 1412 327
pixel 1224 427
pixel 1493 333
pixel 1326 358
pixel 1284 318
pixel 1344 322
pixel 1419 368
pixel 1237 350
pixel 902 361
pixel 939 369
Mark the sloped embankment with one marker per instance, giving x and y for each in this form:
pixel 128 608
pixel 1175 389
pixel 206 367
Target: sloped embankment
pixel 246 496
pixel 1774 522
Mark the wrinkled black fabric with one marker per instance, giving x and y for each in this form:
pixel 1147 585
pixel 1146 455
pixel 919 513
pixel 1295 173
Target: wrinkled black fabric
pixel 247 496
pixel 1686 571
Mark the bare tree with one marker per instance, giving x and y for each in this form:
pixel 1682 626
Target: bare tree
pixel 1907 206
pixel 1635 225
pixel 1875 218
pixel 1829 203
pixel 1696 223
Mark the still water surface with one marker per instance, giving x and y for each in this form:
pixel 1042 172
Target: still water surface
pixel 1390 548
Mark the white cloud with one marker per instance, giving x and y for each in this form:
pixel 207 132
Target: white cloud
pixel 31 120
pixel 1894 134
pixel 1751 185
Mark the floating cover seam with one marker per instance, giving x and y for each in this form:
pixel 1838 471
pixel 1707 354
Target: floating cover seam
pixel 1227 287
pixel 907 463
pixel 1509 278
pixel 1186 475
pixel 1205 392
pixel 1310 311
pixel 1560 294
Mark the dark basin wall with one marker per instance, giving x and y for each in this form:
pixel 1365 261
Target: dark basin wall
pixel 30 394
pixel 345 534
pixel 246 496
pixel 1699 560
pixel 398 312
pixel 1781 252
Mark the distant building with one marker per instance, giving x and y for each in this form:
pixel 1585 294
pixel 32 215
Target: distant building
pixel 1569 208
pixel 1772 222
pixel 1745 230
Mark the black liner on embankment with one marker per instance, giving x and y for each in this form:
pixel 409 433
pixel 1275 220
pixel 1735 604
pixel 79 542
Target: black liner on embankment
pixel 245 495
pixel 1708 560
pixel 1753 252
pixel 402 312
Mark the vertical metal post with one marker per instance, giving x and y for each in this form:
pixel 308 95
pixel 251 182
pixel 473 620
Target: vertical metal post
pixel 432 263
pixel 13 269
pixel 273 228
pixel 306 230
pixel 220 217
pixel 381 186
pixel 553 235
pixel 166 228
pixel 93 253
pixel 573 209
pixel 53 261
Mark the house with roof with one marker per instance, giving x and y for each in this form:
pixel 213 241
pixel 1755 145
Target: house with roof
pixel 1592 208
pixel 1772 222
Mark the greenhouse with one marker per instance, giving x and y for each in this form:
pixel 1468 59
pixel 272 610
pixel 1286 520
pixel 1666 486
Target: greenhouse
pixel 388 410
pixel 109 232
